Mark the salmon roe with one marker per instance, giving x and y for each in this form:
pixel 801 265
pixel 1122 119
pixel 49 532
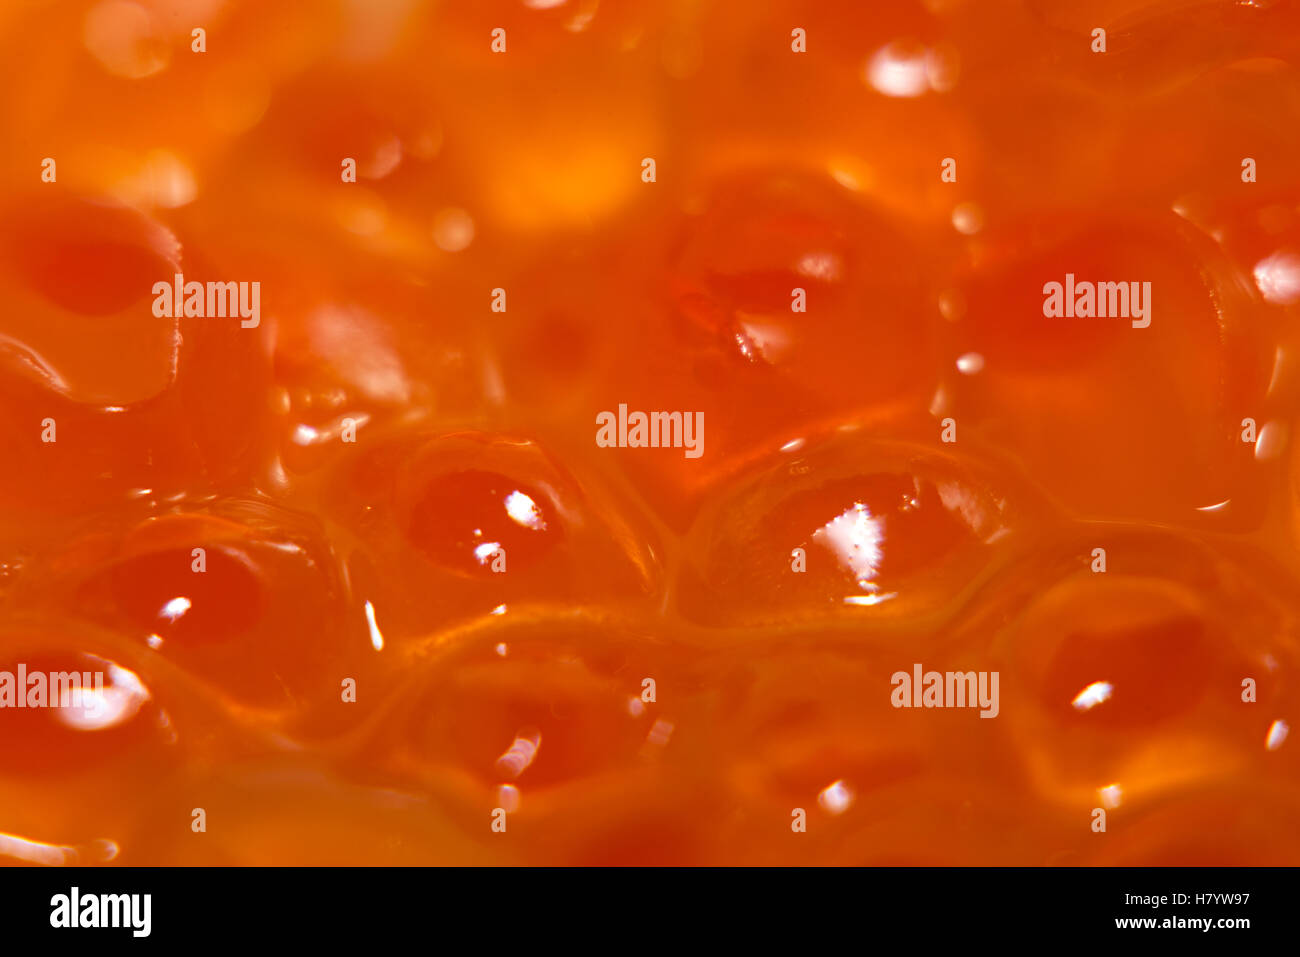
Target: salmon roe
pixel 565 431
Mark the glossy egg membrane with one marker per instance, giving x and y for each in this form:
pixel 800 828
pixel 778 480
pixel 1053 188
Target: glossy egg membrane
pixel 1180 676
pixel 98 715
pixel 364 583
pixel 139 401
pixel 814 733
pixel 1166 401
pixel 853 530
pixel 775 297
pixel 472 523
pixel 243 595
pixel 560 720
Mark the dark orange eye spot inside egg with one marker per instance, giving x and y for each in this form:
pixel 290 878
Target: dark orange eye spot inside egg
pixel 165 597
pixel 465 519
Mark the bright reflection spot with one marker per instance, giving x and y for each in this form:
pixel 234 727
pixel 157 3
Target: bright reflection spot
pixel 154 641
pixel 347 338
pixel 793 445
pixel 498 610
pixel 36 852
pixel 823 266
pixel 762 340
pixel 116 701
pixel 453 230
pixel 501 649
pixel 175 608
pixel 18 848
pixel 1112 795
pixel 168 729
pixel 1271 441
pixel 291 548
pixel 952 305
pixel 123 37
pixel 748 345
pixel 305 434
pixel 508 798
pixel 977 516
pixel 524 511
pixel 1093 695
pixel 967 219
pixel 939 403
pixel 376 636
pixel 163 180
pixel 279 477
pixel 970 363
pixel 868 600
pixel 582 19
pixel 485 551
pixel 896 71
pixel 1278 278
pixel 836 797
pixel 849 173
pixel 855 537
pixel 1279 363
pixel 635 707
pixel 1216 507
pixel 906 70
pixel 659 733
pixel 520 754
pixel 386 158
pixel 1277 732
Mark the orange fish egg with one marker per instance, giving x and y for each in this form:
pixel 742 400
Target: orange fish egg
pixel 608 432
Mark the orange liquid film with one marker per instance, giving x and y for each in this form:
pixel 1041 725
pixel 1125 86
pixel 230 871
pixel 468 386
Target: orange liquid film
pixel 365 588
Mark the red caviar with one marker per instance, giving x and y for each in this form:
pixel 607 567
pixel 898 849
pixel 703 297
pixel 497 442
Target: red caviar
pixel 364 587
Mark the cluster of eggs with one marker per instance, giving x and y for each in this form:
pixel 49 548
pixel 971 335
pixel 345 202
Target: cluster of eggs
pixel 363 586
